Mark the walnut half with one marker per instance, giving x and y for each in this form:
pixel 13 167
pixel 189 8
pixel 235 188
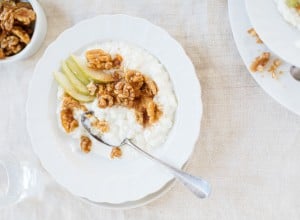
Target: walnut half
pixel 21 34
pixel 24 15
pixel 85 144
pixel 68 121
pixel 102 125
pixel 116 152
pixel 11 45
pixel 100 60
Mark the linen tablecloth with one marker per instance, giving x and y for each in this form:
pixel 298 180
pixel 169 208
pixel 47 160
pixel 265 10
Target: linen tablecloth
pixel 248 148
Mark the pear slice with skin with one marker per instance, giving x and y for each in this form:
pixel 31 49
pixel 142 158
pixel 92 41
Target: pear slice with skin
pixel 293 3
pixel 67 86
pixel 77 71
pixel 95 75
pixel 77 84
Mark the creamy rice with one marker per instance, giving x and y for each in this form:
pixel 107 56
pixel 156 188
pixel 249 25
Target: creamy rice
pixel 289 14
pixel 121 120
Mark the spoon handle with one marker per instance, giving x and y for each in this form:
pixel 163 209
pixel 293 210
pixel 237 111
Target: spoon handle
pixel 197 185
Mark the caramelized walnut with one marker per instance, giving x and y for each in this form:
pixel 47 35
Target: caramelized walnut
pixel 136 80
pixel 6 19
pixel 11 45
pixel 150 88
pixel 100 60
pixel 70 102
pixel 117 61
pixel 116 152
pixel 2 55
pixel 85 144
pixel 68 121
pixel 92 88
pixel 105 95
pixel 24 15
pixel 21 34
pixel 101 125
pixel 273 68
pixel 140 116
pixel 105 89
pixel 253 33
pixel 133 76
pixel 124 90
pixel 124 93
pixel 117 75
pixel 152 112
pixel 147 112
pixel 105 101
pixel 130 89
pixel 2 35
pixel 23 5
pixel 260 62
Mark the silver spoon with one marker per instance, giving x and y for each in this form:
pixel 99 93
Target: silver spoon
pixel 197 185
pixel 295 72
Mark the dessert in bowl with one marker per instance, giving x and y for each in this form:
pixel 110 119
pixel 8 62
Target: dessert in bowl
pixel 128 90
pixel 290 11
pixel 140 86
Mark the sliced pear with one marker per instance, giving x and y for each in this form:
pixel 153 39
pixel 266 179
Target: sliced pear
pixel 77 71
pixel 96 76
pixel 293 3
pixel 67 86
pixel 77 84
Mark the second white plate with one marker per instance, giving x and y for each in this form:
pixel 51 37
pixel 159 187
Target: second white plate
pixel 280 36
pixel 284 90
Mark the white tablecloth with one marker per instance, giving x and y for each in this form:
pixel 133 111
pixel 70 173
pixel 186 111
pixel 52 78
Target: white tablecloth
pixel 249 145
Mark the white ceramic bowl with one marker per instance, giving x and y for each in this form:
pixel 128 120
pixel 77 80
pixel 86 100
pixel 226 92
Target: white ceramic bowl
pixel 39 33
pixel 120 182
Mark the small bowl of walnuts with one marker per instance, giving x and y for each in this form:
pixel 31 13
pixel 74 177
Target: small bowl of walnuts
pixel 23 27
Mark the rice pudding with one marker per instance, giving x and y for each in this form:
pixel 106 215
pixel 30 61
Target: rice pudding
pixel 290 10
pixel 135 99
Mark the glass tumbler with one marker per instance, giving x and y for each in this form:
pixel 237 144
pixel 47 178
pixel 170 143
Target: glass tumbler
pixel 17 179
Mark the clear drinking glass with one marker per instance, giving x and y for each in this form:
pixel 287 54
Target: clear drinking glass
pixel 17 179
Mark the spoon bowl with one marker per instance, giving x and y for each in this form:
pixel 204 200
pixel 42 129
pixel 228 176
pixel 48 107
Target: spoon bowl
pixel 295 72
